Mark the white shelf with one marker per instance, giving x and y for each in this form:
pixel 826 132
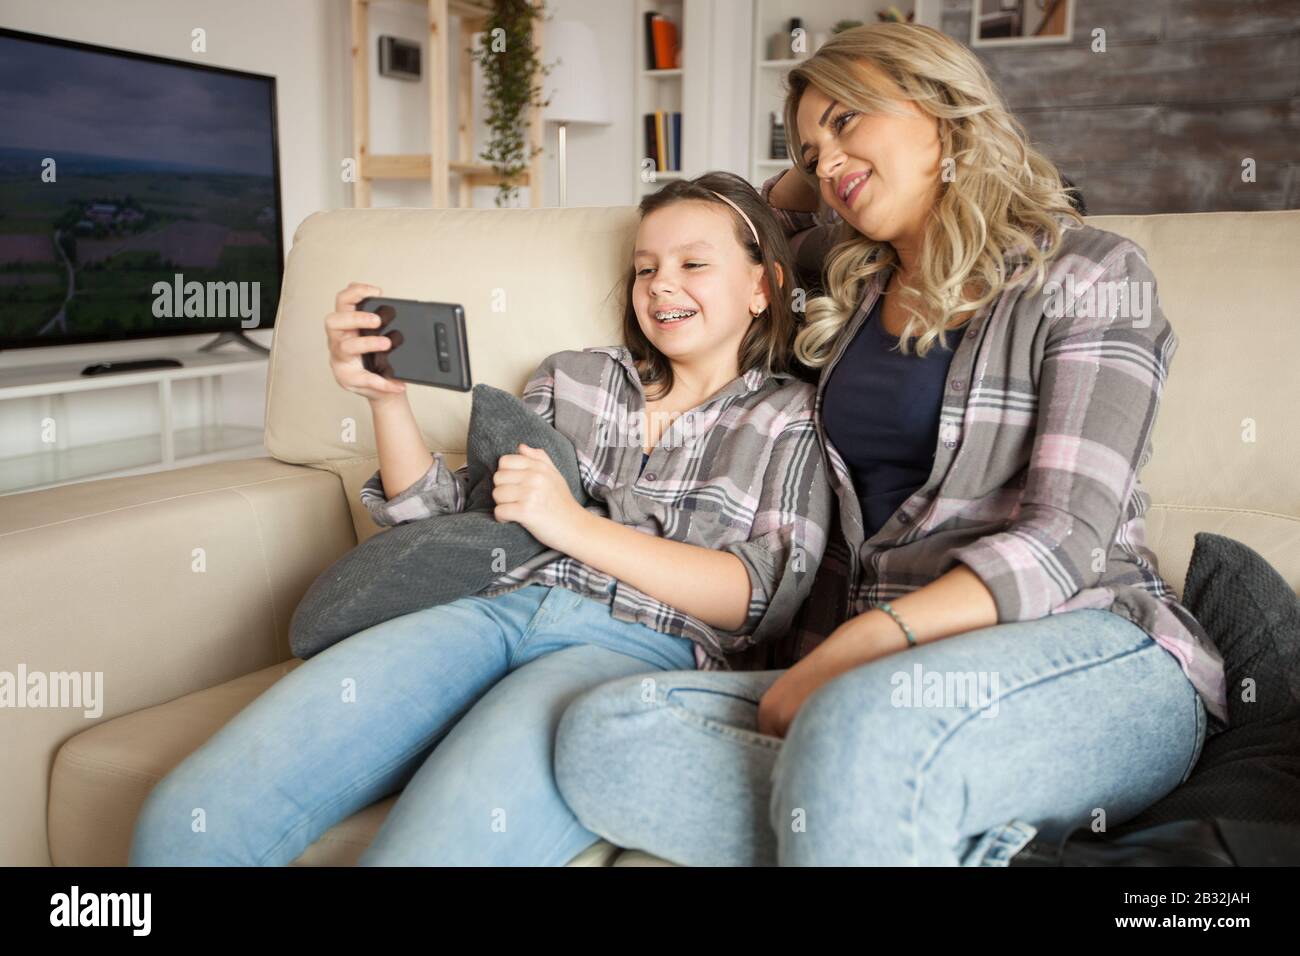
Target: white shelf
pixel 142 454
pixel 29 381
pixel 659 89
pixel 170 447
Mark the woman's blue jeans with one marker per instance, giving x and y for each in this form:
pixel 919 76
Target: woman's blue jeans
pixel 954 752
pixel 457 704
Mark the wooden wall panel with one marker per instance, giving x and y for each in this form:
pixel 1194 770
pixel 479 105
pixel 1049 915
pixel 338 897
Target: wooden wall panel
pixel 1161 121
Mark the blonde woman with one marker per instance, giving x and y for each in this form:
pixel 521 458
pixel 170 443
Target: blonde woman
pixel 1003 657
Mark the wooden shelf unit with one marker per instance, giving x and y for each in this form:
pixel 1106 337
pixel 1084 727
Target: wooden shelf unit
pixel 436 166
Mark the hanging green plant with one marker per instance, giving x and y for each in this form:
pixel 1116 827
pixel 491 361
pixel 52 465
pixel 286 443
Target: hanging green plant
pixel 512 72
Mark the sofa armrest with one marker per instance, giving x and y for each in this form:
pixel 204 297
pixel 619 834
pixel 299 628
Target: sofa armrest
pixel 148 587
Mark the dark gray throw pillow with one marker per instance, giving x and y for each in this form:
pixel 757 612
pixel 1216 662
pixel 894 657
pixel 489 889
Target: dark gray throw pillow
pixel 420 564
pixel 1252 614
pixel 1251 770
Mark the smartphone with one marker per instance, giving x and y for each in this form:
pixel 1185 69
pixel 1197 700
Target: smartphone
pixel 429 344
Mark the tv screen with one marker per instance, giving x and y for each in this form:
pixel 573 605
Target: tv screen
pixel 139 196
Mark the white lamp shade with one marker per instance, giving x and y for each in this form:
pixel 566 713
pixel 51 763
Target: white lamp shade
pixel 575 85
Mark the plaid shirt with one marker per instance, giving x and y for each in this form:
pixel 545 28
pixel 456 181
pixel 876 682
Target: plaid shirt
pixel 1045 424
pixel 742 472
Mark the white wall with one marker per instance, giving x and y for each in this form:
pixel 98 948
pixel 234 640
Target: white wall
pixel 600 158
pixel 718 102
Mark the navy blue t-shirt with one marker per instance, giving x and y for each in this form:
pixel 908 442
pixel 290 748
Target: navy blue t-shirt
pixel 881 412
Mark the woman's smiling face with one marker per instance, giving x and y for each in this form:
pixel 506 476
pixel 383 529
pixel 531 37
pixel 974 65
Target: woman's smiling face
pixel 687 258
pixel 879 171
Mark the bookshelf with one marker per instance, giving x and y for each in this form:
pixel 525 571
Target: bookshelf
pixel 659 90
pixel 770 66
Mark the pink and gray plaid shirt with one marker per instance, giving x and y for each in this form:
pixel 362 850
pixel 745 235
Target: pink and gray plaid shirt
pixel 1046 422
pixel 741 472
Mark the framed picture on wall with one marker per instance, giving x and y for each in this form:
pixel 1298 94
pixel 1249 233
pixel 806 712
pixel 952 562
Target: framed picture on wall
pixel 1014 22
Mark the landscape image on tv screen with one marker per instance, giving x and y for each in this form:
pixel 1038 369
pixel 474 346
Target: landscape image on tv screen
pixel 117 173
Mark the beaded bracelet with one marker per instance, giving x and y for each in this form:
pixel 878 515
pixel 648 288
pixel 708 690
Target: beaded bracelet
pixel 907 631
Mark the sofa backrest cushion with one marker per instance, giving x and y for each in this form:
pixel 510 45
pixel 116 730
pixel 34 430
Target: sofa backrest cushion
pixel 532 281
pixel 1225 455
pixel 1226 450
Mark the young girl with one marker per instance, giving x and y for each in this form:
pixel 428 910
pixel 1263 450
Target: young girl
pixel 710 511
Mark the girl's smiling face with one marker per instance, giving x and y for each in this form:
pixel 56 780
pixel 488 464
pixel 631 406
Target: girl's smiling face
pixel 880 171
pixel 687 259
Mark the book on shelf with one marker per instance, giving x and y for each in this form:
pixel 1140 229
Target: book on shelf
pixel 662 48
pixel 663 140
pixel 661 144
pixel 670 140
pixel 778 148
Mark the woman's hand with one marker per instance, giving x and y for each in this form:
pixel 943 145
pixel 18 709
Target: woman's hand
pixel 529 489
pixel 857 641
pixel 347 344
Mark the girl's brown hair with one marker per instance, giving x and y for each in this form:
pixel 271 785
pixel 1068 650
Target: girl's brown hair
pixel 769 341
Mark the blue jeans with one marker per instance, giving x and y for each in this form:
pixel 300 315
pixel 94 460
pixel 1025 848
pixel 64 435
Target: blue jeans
pixel 456 706
pixel 955 752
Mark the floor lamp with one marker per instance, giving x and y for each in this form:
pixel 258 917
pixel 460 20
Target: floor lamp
pixel 576 85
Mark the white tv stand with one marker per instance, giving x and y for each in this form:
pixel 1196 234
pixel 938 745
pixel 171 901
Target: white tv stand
pixel 171 447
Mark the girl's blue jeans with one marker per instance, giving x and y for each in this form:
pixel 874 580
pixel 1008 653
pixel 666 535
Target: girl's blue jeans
pixel 456 706
pixel 954 752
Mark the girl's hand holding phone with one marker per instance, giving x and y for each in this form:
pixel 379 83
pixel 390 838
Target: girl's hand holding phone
pixel 345 331
pixel 529 489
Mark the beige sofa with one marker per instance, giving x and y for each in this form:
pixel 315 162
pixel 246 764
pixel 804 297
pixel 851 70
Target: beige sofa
pixel 99 576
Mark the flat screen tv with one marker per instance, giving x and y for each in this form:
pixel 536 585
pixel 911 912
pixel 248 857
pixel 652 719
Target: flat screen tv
pixel 139 196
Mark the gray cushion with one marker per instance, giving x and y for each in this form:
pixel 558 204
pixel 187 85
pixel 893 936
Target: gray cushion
pixel 1252 614
pixel 420 564
pixel 1251 770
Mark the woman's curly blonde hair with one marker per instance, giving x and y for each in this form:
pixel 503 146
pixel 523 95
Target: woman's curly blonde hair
pixel 1005 203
